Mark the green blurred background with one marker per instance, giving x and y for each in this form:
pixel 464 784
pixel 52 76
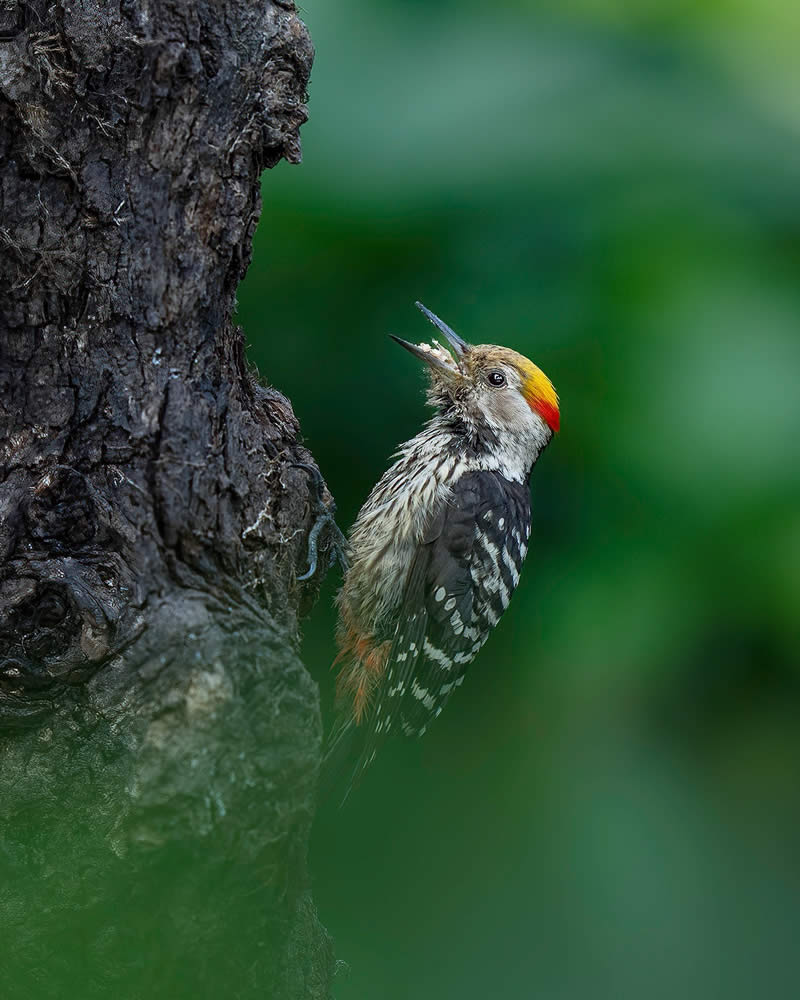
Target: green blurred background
pixel 610 806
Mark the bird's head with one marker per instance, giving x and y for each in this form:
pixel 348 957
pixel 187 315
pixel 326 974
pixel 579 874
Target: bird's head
pixel 486 384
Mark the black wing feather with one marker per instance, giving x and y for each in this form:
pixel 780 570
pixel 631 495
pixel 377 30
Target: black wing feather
pixel 462 576
pixel 468 586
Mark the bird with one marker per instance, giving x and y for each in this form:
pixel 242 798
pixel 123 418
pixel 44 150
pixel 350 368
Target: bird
pixel 436 550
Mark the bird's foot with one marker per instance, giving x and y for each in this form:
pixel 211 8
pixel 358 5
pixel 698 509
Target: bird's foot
pixel 325 518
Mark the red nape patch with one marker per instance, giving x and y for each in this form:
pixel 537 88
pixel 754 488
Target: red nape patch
pixel 548 413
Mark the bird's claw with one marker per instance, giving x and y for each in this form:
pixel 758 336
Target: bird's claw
pixel 325 517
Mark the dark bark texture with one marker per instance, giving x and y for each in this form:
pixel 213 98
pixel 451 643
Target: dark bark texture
pixel 159 737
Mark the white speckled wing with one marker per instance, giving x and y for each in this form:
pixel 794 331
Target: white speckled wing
pixel 460 583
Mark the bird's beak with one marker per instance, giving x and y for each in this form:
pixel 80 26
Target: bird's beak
pixel 434 354
pixel 459 345
pixel 437 357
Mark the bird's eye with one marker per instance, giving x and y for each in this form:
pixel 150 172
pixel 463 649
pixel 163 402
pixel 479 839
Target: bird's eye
pixel 496 379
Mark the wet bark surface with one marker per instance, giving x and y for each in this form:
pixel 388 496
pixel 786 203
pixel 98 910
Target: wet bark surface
pixel 159 736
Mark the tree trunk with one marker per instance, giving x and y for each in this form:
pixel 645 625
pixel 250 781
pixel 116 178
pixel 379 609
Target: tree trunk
pixel 159 737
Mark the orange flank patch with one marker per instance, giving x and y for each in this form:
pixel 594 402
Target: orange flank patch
pixel 364 661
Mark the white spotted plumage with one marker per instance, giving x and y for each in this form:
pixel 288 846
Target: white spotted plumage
pixel 436 550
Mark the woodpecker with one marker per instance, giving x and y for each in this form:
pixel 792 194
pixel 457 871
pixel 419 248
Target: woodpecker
pixel 436 551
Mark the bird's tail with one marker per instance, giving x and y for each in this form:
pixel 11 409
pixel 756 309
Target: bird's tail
pixel 348 754
pixel 343 751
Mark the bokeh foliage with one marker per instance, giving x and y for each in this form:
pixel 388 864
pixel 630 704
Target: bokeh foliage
pixel 609 807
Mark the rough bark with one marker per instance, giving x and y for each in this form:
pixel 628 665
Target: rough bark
pixel 159 737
